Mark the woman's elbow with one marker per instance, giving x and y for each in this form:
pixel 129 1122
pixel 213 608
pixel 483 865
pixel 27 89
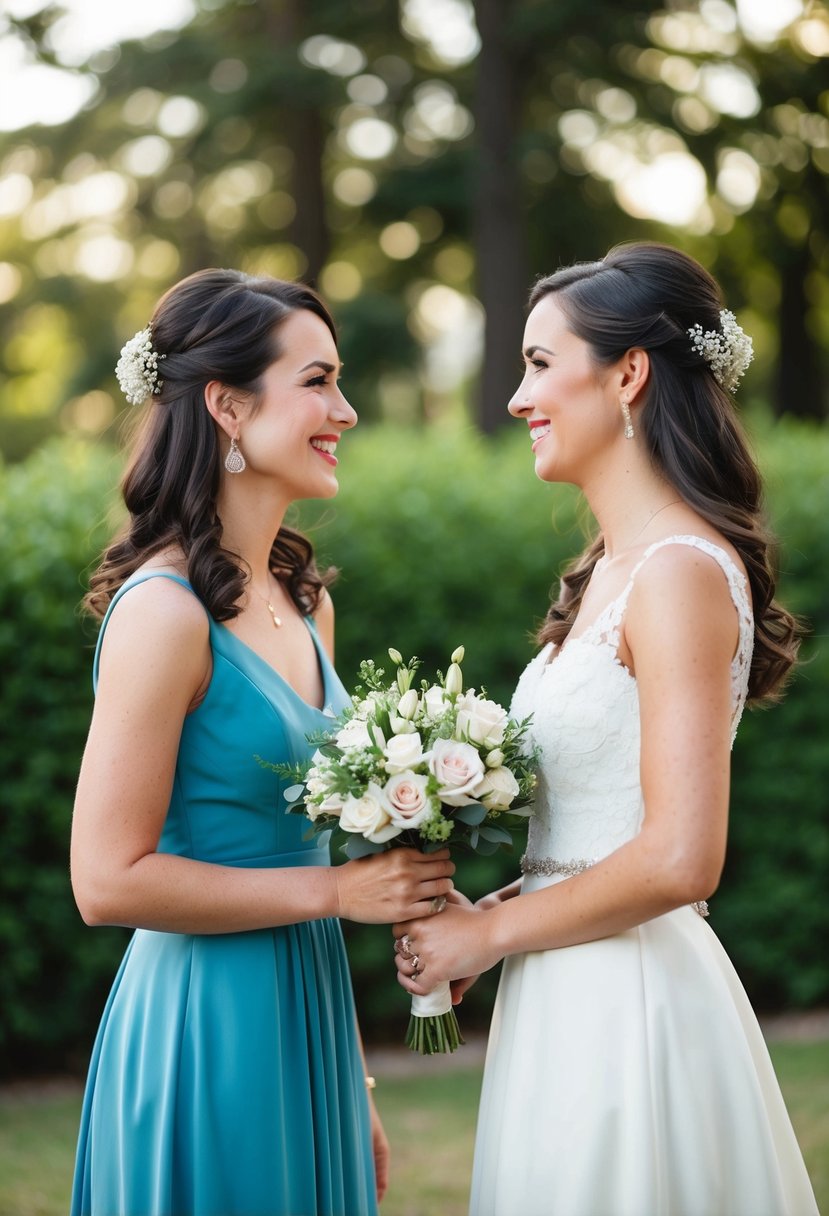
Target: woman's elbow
pixel 693 875
pixel 92 902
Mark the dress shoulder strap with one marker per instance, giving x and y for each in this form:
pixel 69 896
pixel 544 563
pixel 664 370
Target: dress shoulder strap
pixel 133 581
pixel 738 587
pixel 737 582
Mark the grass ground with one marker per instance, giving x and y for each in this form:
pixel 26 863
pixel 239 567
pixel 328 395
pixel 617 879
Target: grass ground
pixel 430 1118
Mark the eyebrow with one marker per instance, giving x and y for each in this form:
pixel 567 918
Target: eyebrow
pixel 326 367
pixel 530 351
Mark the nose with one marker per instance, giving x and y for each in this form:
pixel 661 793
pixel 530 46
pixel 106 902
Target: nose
pixel 343 412
pixel 519 405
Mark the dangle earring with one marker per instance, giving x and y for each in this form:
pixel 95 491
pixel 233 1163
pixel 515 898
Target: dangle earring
pixel 235 461
pixel 626 416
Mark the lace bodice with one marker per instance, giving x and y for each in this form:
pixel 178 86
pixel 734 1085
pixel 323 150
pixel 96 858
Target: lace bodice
pixel 585 708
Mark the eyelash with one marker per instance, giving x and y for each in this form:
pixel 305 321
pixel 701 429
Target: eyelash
pixel 315 381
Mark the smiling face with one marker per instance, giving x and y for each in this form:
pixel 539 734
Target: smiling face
pixel 571 405
pixel 293 433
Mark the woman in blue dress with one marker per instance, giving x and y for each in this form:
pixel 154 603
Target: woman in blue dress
pixel 227 1076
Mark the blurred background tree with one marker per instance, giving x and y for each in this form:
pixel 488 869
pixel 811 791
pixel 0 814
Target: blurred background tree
pixel 419 160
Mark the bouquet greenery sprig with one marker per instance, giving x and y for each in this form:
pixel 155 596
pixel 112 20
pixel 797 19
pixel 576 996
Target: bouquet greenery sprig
pixel 425 766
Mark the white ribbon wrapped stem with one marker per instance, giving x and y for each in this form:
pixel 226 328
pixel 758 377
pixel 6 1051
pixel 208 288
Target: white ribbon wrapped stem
pixel 434 1004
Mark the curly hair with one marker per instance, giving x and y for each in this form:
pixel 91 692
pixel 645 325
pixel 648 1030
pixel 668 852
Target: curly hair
pixel 648 296
pixel 213 325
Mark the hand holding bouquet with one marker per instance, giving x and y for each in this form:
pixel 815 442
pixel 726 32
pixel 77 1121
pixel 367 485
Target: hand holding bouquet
pixel 424 767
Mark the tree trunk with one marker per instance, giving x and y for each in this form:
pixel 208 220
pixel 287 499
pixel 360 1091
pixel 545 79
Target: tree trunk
pixel 286 24
pixel 309 229
pixel 799 388
pixel 499 239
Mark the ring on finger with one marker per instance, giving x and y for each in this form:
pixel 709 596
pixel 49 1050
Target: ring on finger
pixel 401 946
pixel 438 903
pixel 415 961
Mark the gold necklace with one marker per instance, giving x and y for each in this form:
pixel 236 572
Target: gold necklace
pixel 277 620
pixel 651 518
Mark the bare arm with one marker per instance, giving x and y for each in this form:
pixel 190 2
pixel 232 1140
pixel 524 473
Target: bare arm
pixel 681 633
pixel 155 660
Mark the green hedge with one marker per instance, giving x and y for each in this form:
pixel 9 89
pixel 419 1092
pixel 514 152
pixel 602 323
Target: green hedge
pixel 54 970
pixel 442 538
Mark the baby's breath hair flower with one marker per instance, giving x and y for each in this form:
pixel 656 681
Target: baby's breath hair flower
pixel 727 350
pixel 137 369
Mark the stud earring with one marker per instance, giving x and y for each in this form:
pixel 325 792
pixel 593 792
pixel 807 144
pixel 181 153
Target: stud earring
pixel 626 416
pixel 235 461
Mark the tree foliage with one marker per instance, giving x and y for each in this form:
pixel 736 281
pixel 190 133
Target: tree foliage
pixel 413 162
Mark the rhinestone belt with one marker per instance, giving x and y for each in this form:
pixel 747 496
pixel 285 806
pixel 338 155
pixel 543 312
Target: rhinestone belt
pixel 548 867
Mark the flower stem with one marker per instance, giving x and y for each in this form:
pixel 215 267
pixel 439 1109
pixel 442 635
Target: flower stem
pixel 434 1035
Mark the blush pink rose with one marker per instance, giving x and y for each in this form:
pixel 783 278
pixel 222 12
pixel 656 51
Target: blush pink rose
pixel 458 769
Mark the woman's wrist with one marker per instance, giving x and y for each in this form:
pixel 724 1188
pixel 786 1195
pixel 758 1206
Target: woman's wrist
pixel 496 931
pixel 331 895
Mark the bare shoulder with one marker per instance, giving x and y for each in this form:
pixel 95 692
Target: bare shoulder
pixel 682 590
pixel 161 601
pixel 157 623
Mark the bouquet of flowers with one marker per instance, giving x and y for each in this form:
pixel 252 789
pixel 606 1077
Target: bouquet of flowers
pixel 423 766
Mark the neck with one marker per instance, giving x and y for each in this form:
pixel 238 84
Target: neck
pixel 251 516
pixel 627 500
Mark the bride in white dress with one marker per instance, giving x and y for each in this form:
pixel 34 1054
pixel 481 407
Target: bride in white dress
pixel 626 1074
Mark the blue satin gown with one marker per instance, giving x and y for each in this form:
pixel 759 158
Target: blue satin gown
pixel 226 1077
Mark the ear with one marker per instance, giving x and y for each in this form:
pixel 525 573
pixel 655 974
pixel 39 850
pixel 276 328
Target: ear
pixel 223 407
pixel 633 372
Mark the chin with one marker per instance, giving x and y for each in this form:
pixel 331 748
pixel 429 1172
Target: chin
pixel 546 471
pixel 322 489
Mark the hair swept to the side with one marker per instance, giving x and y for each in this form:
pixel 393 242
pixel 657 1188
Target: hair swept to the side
pixel 213 325
pixel 648 295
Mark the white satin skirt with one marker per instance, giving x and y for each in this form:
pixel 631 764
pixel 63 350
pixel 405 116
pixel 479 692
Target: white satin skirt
pixel 629 1077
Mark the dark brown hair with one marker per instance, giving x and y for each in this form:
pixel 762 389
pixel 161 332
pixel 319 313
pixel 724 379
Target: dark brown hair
pixel 214 325
pixel 648 296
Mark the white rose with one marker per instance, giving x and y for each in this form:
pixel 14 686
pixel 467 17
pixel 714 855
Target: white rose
pixel 458 769
pixel 410 805
pixel 435 700
pixel 498 789
pixel 370 815
pixel 403 751
pixel 332 805
pixel 353 734
pixel 480 721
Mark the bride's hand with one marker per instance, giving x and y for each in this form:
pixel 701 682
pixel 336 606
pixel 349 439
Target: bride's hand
pixel 459 988
pixel 455 945
pixel 457 897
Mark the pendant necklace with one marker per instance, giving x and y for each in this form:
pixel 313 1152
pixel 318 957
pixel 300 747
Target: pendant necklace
pixel 277 620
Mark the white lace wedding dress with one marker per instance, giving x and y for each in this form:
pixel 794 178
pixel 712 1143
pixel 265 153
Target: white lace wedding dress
pixel 627 1076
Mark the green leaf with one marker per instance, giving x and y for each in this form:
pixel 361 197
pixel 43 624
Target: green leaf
pixel 358 846
pixel 499 835
pixel 485 847
pixel 473 814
